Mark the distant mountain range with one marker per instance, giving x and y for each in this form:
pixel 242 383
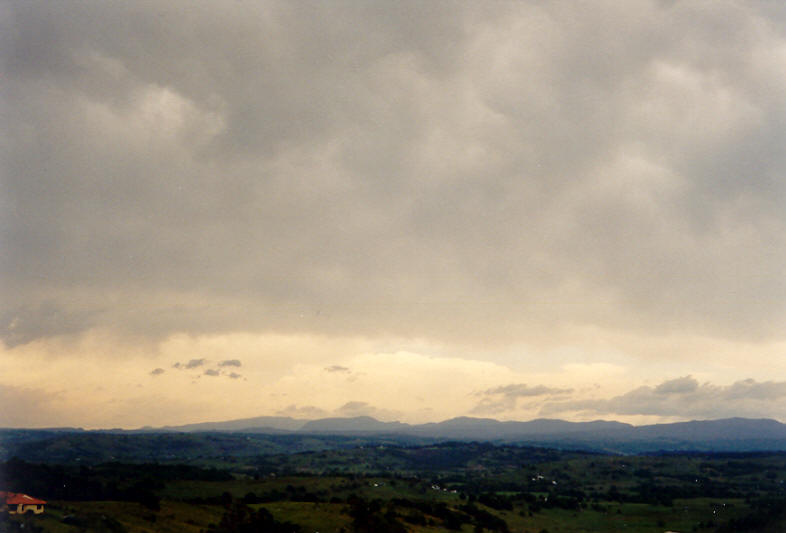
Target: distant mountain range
pixel 731 434
pixel 283 435
pixel 277 423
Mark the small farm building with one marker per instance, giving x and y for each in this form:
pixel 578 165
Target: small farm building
pixel 16 503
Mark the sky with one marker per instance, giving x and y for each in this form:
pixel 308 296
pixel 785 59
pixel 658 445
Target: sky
pixel 407 210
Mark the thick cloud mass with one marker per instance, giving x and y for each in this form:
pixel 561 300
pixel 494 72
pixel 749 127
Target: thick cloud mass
pixel 504 399
pixel 684 397
pixel 423 169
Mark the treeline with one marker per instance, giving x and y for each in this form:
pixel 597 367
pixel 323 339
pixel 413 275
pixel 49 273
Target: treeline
pixel 372 515
pixel 105 482
pixel 767 515
pixel 446 457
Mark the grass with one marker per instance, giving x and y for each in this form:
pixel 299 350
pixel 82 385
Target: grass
pixel 174 517
pixel 502 478
pixel 181 517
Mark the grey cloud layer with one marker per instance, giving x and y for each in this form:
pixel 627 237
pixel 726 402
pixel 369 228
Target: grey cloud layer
pixel 429 169
pixel 505 398
pixel 685 397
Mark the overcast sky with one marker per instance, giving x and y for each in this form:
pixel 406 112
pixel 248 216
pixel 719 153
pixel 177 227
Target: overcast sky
pixel 411 210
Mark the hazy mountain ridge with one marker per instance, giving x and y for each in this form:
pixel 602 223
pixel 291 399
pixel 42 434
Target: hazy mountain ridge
pixel 284 423
pixel 723 435
pixel 727 433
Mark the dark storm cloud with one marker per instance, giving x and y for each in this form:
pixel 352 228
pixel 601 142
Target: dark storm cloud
pixel 157 371
pixel 194 363
pixel 230 362
pixel 48 318
pixel 433 169
pixel 685 397
pixel 212 372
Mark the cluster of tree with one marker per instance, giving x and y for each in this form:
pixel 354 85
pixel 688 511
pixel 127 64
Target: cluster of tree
pixel 653 493
pixel 483 519
pixel 503 499
pixel 373 517
pixel 447 458
pixel 112 481
pixel 768 515
pixel 290 493
pixel 239 518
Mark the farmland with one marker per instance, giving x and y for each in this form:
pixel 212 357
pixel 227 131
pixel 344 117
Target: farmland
pixel 458 486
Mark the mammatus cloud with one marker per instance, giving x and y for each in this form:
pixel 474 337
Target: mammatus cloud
pixel 504 398
pixel 685 397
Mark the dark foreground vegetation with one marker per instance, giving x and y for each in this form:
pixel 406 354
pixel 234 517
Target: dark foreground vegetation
pixel 378 487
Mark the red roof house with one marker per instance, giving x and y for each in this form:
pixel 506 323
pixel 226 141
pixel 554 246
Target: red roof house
pixel 18 503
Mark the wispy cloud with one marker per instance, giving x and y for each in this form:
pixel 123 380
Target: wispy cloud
pixel 305 411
